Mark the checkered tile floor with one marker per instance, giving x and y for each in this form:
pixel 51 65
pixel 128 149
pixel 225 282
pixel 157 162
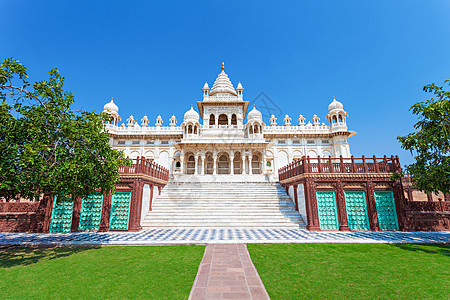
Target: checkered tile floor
pixel 217 236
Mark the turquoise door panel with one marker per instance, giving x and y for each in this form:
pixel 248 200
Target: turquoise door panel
pixel 327 210
pixel 91 212
pixel 356 205
pixel 120 211
pixel 387 215
pixel 61 215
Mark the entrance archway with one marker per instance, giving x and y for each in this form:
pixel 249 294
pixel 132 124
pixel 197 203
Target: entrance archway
pixel 223 164
pixel 237 163
pixel 190 165
pixel 256 163
pixel 209 164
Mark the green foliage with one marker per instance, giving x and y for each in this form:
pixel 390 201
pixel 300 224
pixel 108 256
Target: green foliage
pixel 430 144
pixel 47 148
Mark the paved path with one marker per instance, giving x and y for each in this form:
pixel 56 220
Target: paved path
pixel 220 236
pixel 227 272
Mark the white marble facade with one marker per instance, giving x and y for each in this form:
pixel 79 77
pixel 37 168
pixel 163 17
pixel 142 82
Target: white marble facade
pixel 222 138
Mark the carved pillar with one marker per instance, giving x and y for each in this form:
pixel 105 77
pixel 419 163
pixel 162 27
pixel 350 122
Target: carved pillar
pixel 196 164
pixel 47 207
pixel 76 215
pixel 342 211
pixel 202 157
pixel 250 157
pixel 215 163
pixel 151 197
pixel 243 164
pixel 232 162
pixel 106 213
pixel 312 214
pixel 371 207
pixel 136 206
pixel 400 203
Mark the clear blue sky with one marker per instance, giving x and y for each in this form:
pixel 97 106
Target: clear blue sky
pixel 153 57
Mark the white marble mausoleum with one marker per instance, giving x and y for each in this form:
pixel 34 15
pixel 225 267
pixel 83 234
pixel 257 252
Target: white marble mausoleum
pixel 223 135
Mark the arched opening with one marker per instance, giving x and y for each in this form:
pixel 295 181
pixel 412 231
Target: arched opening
pixel 334 119
pixel 340 118
pixel 190 129
pixel 178 164
pixel 233 119
pixel 209 164
pixel 212 119
pixel 256 129
pixel 223 164
pixel 237 163
pixel 223 119
pixel 190 165
pixel 256 163
pixel 195 129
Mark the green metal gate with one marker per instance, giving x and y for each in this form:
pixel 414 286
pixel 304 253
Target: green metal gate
pixel 120 211
pixel 387 215
pixel 327 210
pixel 91 212
pixel 357 216
pixel 61 215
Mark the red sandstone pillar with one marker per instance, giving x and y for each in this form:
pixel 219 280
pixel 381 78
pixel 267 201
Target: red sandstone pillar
pixel 311 205
pixel 371 207
pixel 151 197
pixel 106 213
pixel 134 223
pixel 48 207
pixel 342 210
pixel 76 214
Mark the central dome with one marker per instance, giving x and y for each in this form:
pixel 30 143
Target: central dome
pixel 222 84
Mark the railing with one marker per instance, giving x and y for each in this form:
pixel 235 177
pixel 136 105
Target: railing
pixel 340 165
pixel 143 166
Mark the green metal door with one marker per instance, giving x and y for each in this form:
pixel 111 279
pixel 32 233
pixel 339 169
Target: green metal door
pixel 356 205
pixel 61 215
pixel 327 210
pixel 387 215
pixel 120 211
pixel 91 212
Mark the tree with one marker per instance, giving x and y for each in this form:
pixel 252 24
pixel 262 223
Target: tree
pixel 430 144
pixel 47 148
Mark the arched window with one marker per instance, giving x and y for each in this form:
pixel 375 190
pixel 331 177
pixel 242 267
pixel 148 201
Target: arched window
pixel 334 120
pixel 178 164
pixel 340 118
pixel 223 165
pixel 223 119
pixel 256 129
pixel 212 119
pixel 190 165
pixel 190 129
pixel 233 119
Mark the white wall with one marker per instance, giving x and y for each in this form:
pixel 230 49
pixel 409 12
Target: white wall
pixel 145 202
pixel 302 202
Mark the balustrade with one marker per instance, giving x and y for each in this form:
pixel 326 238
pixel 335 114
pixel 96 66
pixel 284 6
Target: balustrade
pixel 340 165
pixel 143 166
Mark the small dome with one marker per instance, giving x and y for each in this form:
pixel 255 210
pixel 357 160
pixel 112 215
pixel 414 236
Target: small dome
pixel 254 114
pixel 206 86
pixel 335 105
pixel 191 115
pixel 239 86
pixel 111 107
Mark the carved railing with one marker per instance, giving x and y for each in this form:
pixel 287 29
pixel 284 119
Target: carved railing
pixel 340 165
pixel 141 165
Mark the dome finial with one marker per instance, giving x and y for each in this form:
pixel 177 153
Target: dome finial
pixel 334 98
pixel 223 66
pixel 112 98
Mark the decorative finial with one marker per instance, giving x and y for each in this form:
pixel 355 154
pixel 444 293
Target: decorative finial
pixel 223 66
pixel 334 98
pixel 191 106
pixel 253 106
pixel 112 99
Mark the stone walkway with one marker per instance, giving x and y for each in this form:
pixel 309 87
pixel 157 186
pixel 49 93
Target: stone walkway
pixel 227 272
pixel 220 236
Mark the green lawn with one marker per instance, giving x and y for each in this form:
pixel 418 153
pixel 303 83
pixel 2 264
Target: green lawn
pixel 158 272
pixel 353 271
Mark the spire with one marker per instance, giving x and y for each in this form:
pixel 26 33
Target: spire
pixel 223 66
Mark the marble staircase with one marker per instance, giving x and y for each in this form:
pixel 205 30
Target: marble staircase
pixel 257 204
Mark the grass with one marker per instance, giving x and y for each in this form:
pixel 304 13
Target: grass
pixel 156 272
pixel 353 271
